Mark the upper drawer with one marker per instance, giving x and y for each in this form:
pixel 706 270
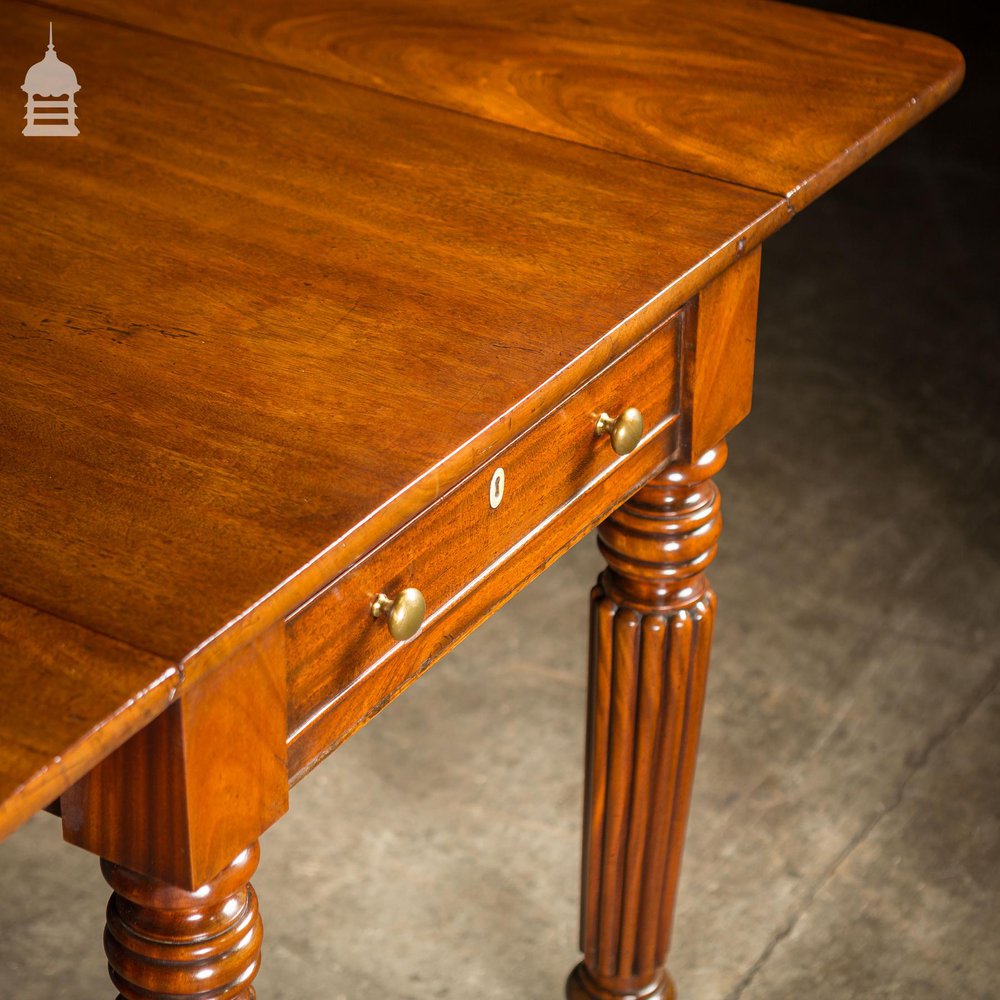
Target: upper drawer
pixel 454 545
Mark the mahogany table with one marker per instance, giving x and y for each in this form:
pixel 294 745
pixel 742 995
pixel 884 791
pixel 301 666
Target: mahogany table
pixel 334 326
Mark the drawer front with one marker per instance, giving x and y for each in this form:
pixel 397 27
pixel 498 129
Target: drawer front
pixel 457 544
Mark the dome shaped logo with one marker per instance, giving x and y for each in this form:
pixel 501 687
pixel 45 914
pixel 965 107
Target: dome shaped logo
pixel 51 87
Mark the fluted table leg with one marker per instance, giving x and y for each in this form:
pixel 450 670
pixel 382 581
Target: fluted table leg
pixel 651 629
pixel 167 943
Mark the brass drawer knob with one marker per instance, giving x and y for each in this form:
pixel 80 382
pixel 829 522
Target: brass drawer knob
pixel 404 614
pixel 625 430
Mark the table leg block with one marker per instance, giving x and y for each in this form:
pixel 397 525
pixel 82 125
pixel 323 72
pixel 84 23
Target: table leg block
pixel 204 779
pixel 166 943
pixel 651 629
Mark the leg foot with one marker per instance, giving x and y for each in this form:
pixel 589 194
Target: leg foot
pixel 582 986
pixel 167 943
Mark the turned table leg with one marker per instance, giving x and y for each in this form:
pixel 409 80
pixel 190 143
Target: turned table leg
pixel 170 813
pixel 651 628
pixel 166 942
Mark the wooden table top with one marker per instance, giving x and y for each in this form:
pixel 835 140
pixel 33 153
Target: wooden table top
pixel 257 316
pixel 780 98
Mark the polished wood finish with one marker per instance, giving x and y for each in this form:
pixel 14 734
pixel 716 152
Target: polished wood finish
pixel 773 96
pixel 651 631
pixel 185 794
pixel 67 697
pixel 718 356
pixel 167 943
pixel 267 335
pixel 413 249
pixel 457 545
pixel 335 718
pixel 470 559
pixel 195 367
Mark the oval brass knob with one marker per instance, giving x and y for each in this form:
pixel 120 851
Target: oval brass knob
pixel 625 430
pixel 405 614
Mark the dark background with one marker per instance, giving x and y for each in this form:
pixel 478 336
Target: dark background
pixel 905 258
pixel 850 756
pixel 878 340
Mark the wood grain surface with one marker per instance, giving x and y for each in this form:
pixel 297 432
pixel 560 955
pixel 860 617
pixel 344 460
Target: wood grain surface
pixel 67 697
pixel 260 320
pixel 774 96
pixel 719 356
pixel 453 546
pixel 198 783
pixel 333 721
pixel 255 319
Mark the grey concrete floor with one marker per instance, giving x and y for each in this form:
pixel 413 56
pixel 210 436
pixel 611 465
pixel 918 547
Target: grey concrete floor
pixel 845 835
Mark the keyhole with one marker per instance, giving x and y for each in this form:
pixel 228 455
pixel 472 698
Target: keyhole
pixel 496 488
